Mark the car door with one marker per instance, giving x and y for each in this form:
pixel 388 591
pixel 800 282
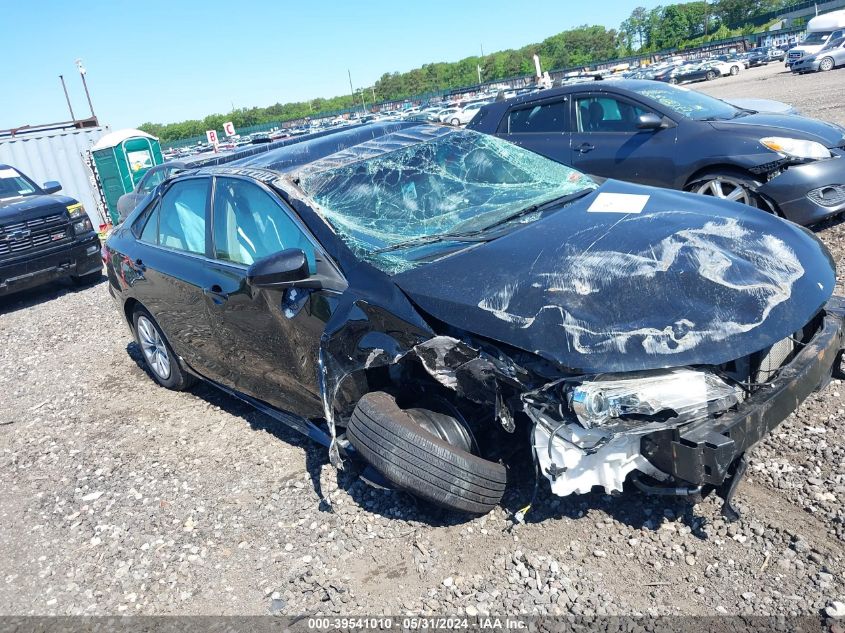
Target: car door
pixel 541 126
pixel 268 338
pixel 170 268
pixel 607 141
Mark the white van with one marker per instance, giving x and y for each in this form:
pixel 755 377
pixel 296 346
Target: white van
pixel 820 30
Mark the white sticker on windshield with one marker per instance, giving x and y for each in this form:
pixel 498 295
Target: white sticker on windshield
pixel 618 203
pixel 8 173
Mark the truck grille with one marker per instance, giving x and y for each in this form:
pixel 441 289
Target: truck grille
pixel 18 238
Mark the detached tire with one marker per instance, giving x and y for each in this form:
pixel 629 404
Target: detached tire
pixel 415 460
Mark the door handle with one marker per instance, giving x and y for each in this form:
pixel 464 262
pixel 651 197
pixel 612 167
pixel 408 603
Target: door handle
pixel 585 147
pixel 215 292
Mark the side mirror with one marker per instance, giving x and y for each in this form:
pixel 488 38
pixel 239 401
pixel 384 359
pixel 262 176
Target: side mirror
pixel 649 121
pixel 52 186
pixel 279 269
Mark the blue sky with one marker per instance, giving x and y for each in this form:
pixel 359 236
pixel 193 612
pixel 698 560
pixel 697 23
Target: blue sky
pixel 166 61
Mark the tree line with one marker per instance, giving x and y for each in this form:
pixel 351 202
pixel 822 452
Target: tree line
pixel 644 31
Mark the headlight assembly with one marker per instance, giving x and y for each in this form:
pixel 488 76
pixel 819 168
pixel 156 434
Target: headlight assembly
pixel 681 394
pixel 76 210
pixel 82 226
pixel 795 148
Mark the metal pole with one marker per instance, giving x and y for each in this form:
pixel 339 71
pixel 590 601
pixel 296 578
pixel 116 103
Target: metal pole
pixel 69 107
pixel 87 94
pixel 351 89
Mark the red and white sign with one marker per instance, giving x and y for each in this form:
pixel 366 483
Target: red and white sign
pixel 229 128
pixel 211 135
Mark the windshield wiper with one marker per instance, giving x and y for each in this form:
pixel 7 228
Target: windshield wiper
pixel 422 240
pixel 477 234
pixel 563 200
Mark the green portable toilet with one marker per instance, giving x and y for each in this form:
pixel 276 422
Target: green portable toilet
pixel 122 158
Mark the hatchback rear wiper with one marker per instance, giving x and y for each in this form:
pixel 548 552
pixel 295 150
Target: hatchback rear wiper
pixel 476 235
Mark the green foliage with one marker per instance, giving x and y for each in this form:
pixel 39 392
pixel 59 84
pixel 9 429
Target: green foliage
pixel 681 25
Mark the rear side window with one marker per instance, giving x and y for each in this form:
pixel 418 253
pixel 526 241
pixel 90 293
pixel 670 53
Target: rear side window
pixel 178 221
pixel 606 114
pixel 545 118
pixel 150 232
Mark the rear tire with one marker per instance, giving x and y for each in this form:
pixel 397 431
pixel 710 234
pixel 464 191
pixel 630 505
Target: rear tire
pixel 419 462
pixel 826 64
pixel 456 122
pixel 162 363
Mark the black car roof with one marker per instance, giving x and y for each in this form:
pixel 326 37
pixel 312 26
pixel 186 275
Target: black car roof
pixel 342 148
pixel 297 155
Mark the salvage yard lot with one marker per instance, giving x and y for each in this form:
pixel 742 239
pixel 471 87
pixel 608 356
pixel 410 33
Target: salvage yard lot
pixel 117 496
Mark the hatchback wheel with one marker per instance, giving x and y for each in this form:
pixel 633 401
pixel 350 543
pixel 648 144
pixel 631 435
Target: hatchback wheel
pixel 163 364
pixel 710 76
pixel 826 64
pixel 456 122
pixel 727 187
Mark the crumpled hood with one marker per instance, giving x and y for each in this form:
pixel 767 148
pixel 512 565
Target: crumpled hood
pixel 29 207
pixel 688 280
pixel 790 126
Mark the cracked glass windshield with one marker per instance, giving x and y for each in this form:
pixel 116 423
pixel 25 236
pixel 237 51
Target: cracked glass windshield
pixel 412 196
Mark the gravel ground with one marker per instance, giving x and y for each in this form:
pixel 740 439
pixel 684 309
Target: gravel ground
pixel 117 496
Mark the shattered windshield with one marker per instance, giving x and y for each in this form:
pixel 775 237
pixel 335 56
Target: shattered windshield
pixel 409 191
pixel 690 103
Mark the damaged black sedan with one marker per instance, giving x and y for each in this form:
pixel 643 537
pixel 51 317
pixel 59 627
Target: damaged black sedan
pixel 441 304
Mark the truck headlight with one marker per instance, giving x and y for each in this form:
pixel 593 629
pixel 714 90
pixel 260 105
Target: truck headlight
pixel 680 394
pixel 83 226
pixel 76 210
pixel 796 148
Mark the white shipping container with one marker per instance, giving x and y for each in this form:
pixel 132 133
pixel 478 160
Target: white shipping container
pixel 61 155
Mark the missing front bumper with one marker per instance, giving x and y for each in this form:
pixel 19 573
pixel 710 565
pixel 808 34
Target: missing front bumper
pixel 703 452
pixel 697 454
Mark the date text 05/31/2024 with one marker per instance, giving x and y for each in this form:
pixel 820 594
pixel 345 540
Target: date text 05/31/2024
pixel 416 623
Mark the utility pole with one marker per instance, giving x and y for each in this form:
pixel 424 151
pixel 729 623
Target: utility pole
pixel 352 92
pixel 69 107
pixel 82 73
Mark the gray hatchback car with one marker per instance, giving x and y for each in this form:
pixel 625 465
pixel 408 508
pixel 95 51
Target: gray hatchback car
pixel 828 58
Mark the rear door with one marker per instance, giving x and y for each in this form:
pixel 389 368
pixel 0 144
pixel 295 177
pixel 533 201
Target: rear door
pixel 170 267
pixel 268 339
pixel 606 140
pixel 542 127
